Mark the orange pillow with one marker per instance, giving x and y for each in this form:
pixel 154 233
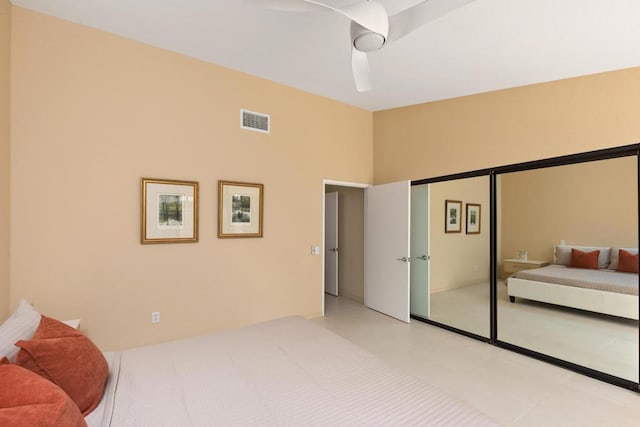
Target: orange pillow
pixel 627 262
pixel 67 358
pixel 580 259
pixel 27 399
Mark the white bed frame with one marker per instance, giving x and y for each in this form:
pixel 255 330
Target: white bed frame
pixel 615 304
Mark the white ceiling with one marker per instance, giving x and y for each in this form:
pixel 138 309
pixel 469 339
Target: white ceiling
pixel 484 46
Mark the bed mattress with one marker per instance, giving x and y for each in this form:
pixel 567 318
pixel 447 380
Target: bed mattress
pixel 602 280
pixel 288 371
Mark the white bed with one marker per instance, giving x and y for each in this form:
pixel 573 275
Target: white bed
pixel 283 372
pixel 602 291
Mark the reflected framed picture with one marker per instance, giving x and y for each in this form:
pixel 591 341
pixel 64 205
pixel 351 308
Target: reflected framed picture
pixel 239 209
pixel 473 218
pixel 452 217
pixel 169 211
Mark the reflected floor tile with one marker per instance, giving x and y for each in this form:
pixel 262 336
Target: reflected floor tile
pixel 597 341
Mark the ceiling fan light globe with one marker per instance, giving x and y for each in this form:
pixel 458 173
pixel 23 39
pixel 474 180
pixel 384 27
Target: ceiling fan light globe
pixel 368 41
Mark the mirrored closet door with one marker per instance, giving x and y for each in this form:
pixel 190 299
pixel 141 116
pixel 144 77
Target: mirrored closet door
pixel 450 256
pixel 539 258
pixel 568 263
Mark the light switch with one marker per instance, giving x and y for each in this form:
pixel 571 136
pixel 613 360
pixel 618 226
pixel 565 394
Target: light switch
pixel 315 250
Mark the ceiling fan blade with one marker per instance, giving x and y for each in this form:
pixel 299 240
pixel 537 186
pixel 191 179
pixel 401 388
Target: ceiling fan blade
pixel 369 14
pixel 415 17
pixel 361 70
pixel 287 5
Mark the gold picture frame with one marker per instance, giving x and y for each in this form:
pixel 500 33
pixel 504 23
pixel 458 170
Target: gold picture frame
pixel 452 216
pixel 473 215
pixel 240 209
pixel 169 211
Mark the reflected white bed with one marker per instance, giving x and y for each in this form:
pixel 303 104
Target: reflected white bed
pixel 601 291
pixel 283 372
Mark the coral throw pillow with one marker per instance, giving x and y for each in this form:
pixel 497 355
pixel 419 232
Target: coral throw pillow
pixel 627 262
pixel 67 358
pixel 580 259
pixel 27 399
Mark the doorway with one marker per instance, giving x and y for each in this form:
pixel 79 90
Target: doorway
pixel 343 259
pixel 395 279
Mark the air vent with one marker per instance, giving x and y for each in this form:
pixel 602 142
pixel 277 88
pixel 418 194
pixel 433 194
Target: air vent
pixel 254 121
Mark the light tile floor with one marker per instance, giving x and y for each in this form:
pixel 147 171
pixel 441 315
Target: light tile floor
pixel 605 343
pixel 512 389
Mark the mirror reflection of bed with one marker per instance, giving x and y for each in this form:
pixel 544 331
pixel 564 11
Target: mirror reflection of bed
pixel 579 308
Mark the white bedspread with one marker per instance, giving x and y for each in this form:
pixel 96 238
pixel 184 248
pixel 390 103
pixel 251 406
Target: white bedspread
pixel 284 372
pixel 600 280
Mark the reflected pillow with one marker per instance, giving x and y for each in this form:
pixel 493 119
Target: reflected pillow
pixel 67 358
pixel 21 325
pixel 27 399
pixel 562 254
pixel 615 256
pixel 581 259
pixel 627 262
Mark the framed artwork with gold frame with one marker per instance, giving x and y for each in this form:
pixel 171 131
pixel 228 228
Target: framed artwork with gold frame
pixel 473 218
pixel 240 209
pixel 169 211
pixel 452 216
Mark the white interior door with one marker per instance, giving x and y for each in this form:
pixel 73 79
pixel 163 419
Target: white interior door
pixel 331 243
pixel 419 304
pixel 387 254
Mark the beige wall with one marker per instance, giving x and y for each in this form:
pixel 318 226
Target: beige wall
pixel 5 162
pixel 507 126
pixel 92 114
pixel 458 259
pixel 350 241
pixel 592 204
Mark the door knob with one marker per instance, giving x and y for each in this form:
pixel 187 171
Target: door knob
pixel 403 259
pixel 422 257
pixel 333 249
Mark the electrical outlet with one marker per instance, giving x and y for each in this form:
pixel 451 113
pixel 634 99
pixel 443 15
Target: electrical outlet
pixel 155 317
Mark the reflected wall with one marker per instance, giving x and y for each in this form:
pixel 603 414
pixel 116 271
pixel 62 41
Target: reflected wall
pixel 584 203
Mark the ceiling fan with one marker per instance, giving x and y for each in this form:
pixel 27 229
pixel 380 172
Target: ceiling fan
pixel 371 27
